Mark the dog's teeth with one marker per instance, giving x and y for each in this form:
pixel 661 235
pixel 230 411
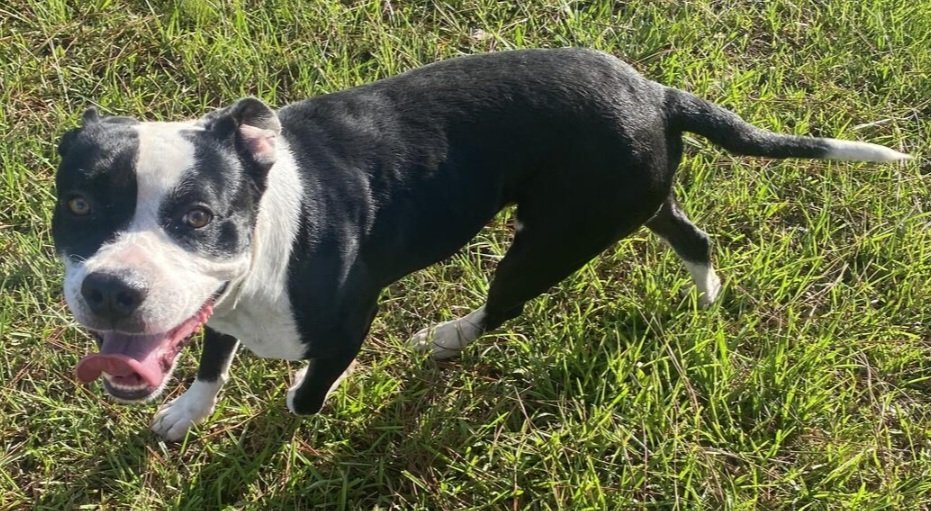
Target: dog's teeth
pixel 120 386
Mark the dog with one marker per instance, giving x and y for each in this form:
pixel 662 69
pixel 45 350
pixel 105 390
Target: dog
pixel 279 229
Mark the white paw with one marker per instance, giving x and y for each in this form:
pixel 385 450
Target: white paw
pixel 713 289
pixel 707 282
pixel 449 338
pixel 175 418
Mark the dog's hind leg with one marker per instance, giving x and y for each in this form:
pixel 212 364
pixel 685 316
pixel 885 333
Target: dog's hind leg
pixel 552 243
pixel 175 418
pixel 691 244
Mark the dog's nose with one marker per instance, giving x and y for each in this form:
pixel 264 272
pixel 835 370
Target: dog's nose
pixel 111 297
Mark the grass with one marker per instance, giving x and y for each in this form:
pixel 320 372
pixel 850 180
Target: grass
pixel 807 387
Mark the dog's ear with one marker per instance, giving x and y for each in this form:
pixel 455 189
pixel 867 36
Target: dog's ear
pixel 89 117
pixel 254 128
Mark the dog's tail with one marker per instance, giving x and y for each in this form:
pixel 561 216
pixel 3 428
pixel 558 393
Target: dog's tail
pixel 726 129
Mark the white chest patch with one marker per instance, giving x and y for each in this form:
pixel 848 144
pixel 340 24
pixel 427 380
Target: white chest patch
pixel 266 330
pixel 259 311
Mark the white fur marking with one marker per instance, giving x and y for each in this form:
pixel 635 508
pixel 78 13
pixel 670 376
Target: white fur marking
pixel 862 151
pixel 447 339
pixel 707 281
pixel 292 390
pixel 175 418
pixel 257 310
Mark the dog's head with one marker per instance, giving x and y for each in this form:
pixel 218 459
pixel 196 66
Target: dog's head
pixel 153 221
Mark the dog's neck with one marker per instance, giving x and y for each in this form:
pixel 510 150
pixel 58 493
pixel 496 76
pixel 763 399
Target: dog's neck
pixel 276 226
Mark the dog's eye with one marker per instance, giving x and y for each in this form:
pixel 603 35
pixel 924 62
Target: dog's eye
pixel 79 206
pixel 197 218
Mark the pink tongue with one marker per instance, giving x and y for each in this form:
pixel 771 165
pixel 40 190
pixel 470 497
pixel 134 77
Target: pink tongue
pixel 125 355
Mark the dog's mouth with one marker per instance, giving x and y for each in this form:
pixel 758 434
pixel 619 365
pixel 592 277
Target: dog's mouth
pixel 135 366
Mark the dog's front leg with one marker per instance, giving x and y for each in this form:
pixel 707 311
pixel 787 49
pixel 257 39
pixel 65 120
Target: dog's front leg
pixel 175 418
pixel 314 383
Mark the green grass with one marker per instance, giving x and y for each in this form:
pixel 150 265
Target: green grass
pixel 807 387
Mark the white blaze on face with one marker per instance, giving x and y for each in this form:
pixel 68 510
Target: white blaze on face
pixel 178 281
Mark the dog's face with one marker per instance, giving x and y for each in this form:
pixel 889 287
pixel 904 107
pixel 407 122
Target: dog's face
pixel 153 221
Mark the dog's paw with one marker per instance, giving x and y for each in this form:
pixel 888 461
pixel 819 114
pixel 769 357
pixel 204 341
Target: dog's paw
pixel 707 282
pixel 442 341
pixel 709 294
pixel 312 408
pixel 175 418
pixel 449 338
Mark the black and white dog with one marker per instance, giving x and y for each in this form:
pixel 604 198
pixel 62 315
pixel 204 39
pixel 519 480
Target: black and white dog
pixel 279 229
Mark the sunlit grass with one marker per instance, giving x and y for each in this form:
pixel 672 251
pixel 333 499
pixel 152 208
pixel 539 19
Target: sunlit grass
pixel 806 387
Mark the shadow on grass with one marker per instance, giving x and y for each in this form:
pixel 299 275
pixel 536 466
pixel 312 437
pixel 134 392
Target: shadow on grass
pixel 406 446
pixel 386 452
pixel 227 471
pixel 338 460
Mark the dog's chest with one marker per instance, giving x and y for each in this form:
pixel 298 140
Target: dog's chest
pixel 266 329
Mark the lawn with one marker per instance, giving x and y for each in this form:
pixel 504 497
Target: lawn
pixel 808 386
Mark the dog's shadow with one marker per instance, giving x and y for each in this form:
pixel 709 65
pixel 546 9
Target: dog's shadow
pixel 368 458
pixel 353 446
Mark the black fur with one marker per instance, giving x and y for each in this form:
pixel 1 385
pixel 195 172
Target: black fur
pixel 401 173
pixel 218 350
pixel 98 163
pixel 219 181
pixel 726 129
